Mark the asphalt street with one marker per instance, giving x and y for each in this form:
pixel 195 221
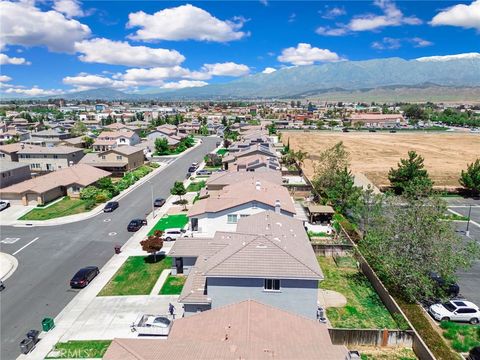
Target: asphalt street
pixel 49 256
pixel 469 280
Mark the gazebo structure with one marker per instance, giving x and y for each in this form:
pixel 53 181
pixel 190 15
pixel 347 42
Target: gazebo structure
pixel 319 214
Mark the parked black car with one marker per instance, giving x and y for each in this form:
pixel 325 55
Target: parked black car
pixel 474 354
pixel 83 277
pixel 110 206
pixel 136 224
pixel 192 169
pixel 159 202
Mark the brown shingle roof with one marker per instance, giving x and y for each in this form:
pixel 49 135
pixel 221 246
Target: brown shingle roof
pixel 245 330
pixel 229 178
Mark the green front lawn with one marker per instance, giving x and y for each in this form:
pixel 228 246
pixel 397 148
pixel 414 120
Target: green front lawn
pixel 222 151
pixel 80 349
pixel 364 308
pixel 170 222
pixel 137 276
pixel 196 186
pixel 173 285
pixel 462 337
pixel 64 207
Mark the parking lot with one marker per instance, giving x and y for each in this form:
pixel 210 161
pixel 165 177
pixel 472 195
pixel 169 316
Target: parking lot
pixel 468 280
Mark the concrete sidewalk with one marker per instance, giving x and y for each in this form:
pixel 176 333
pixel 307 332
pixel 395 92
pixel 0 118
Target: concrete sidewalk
pixel 8 265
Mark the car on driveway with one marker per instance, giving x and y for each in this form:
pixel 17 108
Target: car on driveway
pixel 173 234
pixel 203 172
pixel 159 202
pixel 4 204
pixel 84 276
pixel 110 206
pixel 136 224
pixel 456 310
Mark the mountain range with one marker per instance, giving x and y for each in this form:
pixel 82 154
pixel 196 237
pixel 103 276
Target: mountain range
pixel 443 74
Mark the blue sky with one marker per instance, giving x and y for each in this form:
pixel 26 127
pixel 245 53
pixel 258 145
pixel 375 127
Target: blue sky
pixel 55 46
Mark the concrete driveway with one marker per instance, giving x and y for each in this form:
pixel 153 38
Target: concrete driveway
pixel 107 317
pixel 13 213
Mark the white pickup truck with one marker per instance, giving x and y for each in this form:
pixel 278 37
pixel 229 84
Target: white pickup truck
pixel 153 325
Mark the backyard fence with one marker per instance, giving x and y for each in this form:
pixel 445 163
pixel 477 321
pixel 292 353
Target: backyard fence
pixel 332 249
pixel 372 337
pixel 418 345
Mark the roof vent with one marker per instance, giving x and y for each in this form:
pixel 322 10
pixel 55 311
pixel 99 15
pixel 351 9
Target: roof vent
pixel 277 206
pixel 258 185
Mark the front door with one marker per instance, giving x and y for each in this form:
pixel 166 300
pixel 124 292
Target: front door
pixel 194 224
pixel 179 265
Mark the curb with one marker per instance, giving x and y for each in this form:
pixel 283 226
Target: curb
pixel 13 262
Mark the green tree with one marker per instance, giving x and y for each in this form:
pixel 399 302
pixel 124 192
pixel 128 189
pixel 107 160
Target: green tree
pixel 470 178
pixel 410 175
pixel 331 162
pixel 88 141
pixel 343 193
pixel 106 184
pixel 178 189
pixel 406 239
pixel 414 113
pixel 78 129
pixel 161 146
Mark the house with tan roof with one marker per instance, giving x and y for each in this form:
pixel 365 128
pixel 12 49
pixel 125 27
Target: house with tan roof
pixel 219 180
pixel 43 189
pixel 221 210
pixel 255 149
pixel 269 259
pixel 44 158
pixel 244 330
pixel 255 163
pixel 117 161
pixel 109 139
pixel 377 120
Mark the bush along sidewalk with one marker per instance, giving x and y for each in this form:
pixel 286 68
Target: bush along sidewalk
pixel 105 189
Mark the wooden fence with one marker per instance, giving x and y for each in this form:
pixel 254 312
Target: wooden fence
pixel 372 337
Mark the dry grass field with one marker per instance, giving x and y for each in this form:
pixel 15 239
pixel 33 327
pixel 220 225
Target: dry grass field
pixel 373 154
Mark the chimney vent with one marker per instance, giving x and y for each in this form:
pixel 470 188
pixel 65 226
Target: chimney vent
pixel 258 185
pixel 277 206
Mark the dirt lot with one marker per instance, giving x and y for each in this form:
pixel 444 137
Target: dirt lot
pixel 373 154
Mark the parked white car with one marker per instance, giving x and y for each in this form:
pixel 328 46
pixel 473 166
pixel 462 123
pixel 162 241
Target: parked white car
pixel 4 204
pixel 456 310
pixel 173 234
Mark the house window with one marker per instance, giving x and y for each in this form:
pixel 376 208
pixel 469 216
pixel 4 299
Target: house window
pixel 103 157
pixel 232 218
pixel 119 157
pixel 244 215
pixel 271 285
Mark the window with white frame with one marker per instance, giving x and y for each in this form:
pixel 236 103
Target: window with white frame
pixel 271 285
pixel 244 215
pixel 232 218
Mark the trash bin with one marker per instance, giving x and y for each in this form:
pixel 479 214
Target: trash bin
pixel 47 324
pixel 117 249
pixel 26 345
pixel 33 334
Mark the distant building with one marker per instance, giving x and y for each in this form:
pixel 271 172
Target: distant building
pixel 377 120
pixel 13 172
pixel 44 159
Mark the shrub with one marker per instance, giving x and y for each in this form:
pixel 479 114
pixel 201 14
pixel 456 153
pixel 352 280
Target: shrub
pixel 100 198
pixel 90 204
pixel 89 193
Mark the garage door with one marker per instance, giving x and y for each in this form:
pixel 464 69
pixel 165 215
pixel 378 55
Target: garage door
pixel 31 199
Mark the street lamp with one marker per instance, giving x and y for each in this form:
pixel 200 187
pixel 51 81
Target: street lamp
pixel 153 204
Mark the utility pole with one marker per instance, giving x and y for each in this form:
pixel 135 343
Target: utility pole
pixel 467 232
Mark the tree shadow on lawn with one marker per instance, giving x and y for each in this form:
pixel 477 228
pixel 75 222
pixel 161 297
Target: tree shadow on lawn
pixel 151 259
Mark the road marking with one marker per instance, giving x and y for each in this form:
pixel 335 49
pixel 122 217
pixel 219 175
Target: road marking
pixel 113 233
pixel 107 220
pixel 471 221
pixel 9 240
pixel 23 247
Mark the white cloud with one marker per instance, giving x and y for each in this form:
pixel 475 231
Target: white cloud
pixel 472 55
pixel 226 69
pixel 466 16
pixel 7 60
pixel 70 8
pixel 184 84
pixel 5 78
pixel 292 18
pixel 419 42
pixel 391 16
pixel 331 13
pixel 88 81
pixel 269 70
pixel 21 23
pixel 34 91
pixel 305 54
pixel 186 22
pixel 387 43
pixel 106 51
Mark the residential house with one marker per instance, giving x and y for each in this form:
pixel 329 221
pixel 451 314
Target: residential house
pixel 221 210
pixel 257 149
pixel 78 142
pixel 13 173
pixel 110 139
pixel 117 161
pixel 377 120
pixel 192 127
pixel 44 159
pixel 43 189
pixel 10 151
pixel 123 127
pixel 268 259
pixel 48 137
pixel 219 180
pixel 14 135
pixel 245 330
pixel 255 163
